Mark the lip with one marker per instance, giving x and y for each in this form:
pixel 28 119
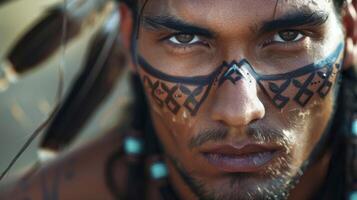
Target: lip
pixel 245 158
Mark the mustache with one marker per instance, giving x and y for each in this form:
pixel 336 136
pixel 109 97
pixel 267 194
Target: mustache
pixel 257 133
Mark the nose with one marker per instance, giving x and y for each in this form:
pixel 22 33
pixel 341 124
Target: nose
pixel 237 104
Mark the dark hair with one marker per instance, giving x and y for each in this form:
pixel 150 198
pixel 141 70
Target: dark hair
pixel 131 3
pixel 344 150
pixel 339 3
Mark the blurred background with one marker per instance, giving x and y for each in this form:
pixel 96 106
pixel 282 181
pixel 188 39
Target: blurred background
pixel 28 101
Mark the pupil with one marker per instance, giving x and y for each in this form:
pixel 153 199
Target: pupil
pixel 288 35
pixel 184 38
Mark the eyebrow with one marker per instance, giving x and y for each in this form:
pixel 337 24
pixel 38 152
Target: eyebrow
pixel 295 19
pixel 173 23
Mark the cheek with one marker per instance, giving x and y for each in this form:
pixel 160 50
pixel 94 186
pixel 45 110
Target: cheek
pixel 303 86
pixel 300 91
pixel 320 116
pixel 174 137
pixel 167 102
pixel 309 125
pixel 170 108
pixel 175 102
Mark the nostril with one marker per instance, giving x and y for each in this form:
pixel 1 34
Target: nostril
pixel 254 120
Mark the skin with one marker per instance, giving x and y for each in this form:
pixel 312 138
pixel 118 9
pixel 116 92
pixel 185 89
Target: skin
pixel 238 110
pixel 71 174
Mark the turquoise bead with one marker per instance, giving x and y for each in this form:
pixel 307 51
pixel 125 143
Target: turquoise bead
pixel 353 195
pixel 354 128
pixel 132 146
pixel 158 170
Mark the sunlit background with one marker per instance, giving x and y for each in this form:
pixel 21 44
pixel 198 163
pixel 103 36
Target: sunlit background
pixel 24 105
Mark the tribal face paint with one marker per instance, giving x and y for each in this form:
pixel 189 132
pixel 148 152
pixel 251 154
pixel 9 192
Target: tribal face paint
pixel 232 73
pixel 299 86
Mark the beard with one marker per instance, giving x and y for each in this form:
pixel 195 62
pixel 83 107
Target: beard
pixel 275 182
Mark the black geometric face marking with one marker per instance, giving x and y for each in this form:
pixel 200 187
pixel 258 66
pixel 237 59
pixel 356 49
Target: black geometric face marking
pixel 304 94
pixel 155 91
pixel 279 100
pixel 191 103
pixel 232 74
pixel 170 101
pixel 326 86
pixel 189 93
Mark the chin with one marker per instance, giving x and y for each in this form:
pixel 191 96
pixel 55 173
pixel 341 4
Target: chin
pixel 273 182
pixel 245 187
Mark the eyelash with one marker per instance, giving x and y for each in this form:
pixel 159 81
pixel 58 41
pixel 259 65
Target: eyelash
pixel 184 48
pixel 195 40
pixel 303 35
pixel 199 41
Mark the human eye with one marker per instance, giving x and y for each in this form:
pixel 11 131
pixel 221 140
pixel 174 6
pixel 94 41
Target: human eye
pixel 286 36
pixel 184 39
pixel 184 43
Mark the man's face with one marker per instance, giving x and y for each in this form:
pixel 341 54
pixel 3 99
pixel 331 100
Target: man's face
pixel 240 91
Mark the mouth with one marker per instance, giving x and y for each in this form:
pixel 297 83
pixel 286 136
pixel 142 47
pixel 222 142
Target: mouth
pixel 248 158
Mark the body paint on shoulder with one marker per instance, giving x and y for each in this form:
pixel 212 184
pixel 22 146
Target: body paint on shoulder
pixel 189 93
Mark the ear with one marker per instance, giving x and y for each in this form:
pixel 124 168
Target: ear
pixel 349 16
pixel 126 30
pixel 126 24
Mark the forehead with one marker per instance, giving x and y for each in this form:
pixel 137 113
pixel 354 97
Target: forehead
pixel 220 13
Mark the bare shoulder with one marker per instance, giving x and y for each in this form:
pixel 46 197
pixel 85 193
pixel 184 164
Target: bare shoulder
pixel 84 173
